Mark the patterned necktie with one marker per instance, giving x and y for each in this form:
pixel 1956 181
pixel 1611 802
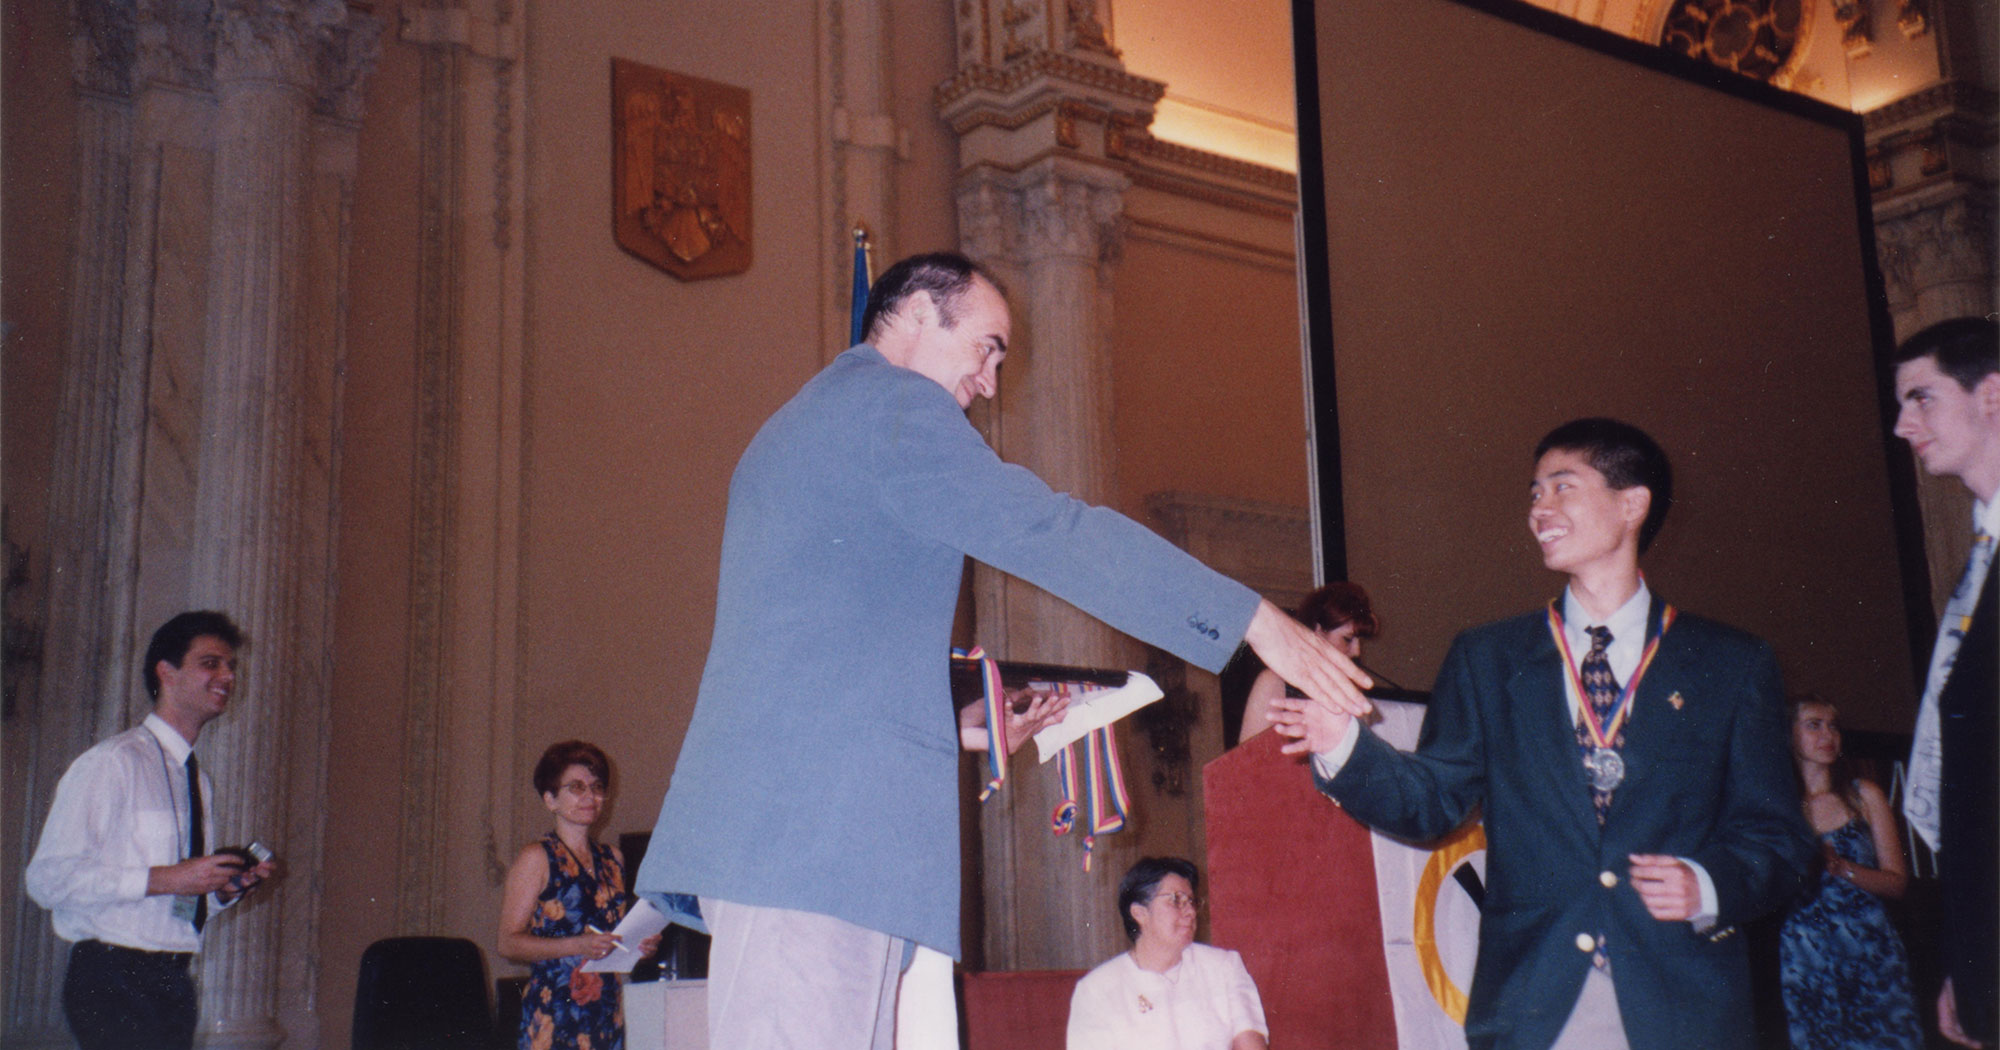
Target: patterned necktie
pixel 195 846
pixel 1926 773
pixel 1600 687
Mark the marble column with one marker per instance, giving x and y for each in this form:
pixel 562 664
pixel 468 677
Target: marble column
pixel 1051 232
pixel 83 690
pixel 264 486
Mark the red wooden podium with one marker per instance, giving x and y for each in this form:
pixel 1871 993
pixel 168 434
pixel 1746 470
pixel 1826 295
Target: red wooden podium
pixel 1290 882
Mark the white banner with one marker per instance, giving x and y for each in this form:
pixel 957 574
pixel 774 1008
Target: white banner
pixel 1430 917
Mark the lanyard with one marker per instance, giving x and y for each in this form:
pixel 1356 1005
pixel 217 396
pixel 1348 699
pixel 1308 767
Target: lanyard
pixel 173 798
pixel 1601 735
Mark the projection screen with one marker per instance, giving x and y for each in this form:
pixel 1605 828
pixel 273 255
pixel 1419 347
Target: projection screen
pixel 1510 220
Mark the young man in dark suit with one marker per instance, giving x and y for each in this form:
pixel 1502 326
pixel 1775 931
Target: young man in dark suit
pixel 1630 763
pixel 1948 384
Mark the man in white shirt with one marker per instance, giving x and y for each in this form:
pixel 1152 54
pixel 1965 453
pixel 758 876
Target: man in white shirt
pixel 1632 769
pixel 123 861
pixel 1948 384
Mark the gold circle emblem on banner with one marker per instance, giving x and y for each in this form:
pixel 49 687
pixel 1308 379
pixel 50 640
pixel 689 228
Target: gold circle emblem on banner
pixel 1453 851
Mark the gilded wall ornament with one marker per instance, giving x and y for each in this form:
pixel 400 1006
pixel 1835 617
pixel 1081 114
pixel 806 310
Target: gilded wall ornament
pixel 1757 38
pixel 680 171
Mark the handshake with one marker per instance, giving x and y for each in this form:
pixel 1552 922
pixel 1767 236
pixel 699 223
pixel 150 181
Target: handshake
pixel 1311 726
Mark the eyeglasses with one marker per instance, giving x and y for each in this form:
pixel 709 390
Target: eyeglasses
pixel 1179 900
pixel 580 788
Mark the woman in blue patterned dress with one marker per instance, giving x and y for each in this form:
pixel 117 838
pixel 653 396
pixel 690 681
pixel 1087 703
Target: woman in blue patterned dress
pixel 562 893
pixel 1846 979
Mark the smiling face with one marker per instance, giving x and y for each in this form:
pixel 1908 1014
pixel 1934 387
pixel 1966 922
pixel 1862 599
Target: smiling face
pixel 1952 430
pixel 1167 921
pixel 1580 521
pixel 963 357
pixel 199 689
pixel 578 798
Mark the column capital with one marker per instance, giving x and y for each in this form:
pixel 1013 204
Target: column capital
pixel 103 46
pixel 1057 208
pixel 1949 241
pixel 272 40
pixel 348 53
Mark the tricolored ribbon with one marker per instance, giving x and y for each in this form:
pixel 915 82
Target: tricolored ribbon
pixel 996 719
pixel 1102 775
pixel 1601 735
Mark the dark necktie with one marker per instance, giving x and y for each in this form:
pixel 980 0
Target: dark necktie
pixel 1600 687
pixel 195 846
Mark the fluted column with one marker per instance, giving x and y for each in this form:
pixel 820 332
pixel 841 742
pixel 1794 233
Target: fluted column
pixel 84 687
pixel 1051 232
pixel 1039 98
pixel 262 503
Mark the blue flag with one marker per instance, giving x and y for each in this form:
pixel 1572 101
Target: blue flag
pixel 860 304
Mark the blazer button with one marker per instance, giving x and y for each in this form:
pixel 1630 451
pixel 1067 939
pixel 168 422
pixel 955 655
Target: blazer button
pixel 1586 943
pixel 1607 879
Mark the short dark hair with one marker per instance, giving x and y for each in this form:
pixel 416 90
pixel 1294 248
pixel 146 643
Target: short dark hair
pixel 1966 348
pixel 1338 603
pixel 1143 879
pixel 566 753
pixel 175 637
pixel 1626 457
pixel 944 275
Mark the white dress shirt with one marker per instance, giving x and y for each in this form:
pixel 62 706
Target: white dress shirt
pixel 120 810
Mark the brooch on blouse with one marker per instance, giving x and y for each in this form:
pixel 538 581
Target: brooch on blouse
pixel 1145 1004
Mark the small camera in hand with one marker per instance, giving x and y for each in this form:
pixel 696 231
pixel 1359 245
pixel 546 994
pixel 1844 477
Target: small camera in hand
pixel 247 856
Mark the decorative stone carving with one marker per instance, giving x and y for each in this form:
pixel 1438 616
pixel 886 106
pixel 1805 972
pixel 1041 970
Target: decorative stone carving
pixel 176 47
pixel 1951 243
pixel 1857 32
pixel 275 40
pixel 1913 18
pixel 347 54
pixel 106 40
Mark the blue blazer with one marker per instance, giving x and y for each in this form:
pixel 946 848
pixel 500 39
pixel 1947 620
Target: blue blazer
pixel 820 771
pixel 1708 777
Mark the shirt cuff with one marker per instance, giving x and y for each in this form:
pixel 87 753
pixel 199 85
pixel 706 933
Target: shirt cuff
pixel 132 884
pixel 1703 920
pixel 1329 763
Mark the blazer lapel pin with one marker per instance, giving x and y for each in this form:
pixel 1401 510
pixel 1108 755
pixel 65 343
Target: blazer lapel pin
pixel 1676 700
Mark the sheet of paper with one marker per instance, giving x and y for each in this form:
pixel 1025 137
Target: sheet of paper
pixel 1095 708
pixel 642 920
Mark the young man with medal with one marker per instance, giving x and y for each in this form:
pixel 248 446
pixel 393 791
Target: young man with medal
pixel 1631 766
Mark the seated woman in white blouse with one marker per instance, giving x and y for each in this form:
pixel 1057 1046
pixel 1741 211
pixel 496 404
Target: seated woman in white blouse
pixel 1167 993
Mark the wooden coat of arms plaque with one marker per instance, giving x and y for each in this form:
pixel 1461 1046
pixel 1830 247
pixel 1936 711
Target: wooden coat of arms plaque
pixel 680 171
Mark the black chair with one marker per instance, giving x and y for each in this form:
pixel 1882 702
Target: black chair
pixel 422 993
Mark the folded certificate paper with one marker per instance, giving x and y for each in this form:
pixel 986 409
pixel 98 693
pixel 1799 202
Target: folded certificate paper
pixel 642 920
pixel 1094 708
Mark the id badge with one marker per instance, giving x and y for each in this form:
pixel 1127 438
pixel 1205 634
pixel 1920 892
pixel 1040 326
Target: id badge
pixel 184 909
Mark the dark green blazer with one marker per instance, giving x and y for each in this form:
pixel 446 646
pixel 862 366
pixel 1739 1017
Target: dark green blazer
pixel 1708 777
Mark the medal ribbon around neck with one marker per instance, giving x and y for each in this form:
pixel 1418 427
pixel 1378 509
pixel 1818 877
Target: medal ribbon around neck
pixel 1602 735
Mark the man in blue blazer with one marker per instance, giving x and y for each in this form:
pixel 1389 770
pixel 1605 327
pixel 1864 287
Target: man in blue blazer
pixel 1632 767
pixel 1948 383
pixel 814 806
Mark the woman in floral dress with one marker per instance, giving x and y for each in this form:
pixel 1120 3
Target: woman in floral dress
pixel 1845 978
pixel 562 895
